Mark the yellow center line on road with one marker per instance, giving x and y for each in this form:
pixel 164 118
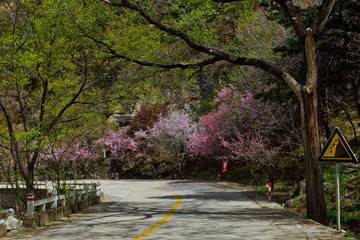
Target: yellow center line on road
pixel 166 217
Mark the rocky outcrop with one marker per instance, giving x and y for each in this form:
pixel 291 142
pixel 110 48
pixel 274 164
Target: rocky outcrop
pixel 8 218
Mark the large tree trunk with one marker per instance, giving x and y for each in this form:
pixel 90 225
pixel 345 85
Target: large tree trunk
pixel 315 199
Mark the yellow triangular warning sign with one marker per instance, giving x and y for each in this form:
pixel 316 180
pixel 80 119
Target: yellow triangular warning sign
pixel 337 149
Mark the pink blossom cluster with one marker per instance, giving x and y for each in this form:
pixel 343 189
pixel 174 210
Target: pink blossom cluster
pixel 57 155
pixel 170 135
pixel 233 130
pixel 175 129
pixel 70 153
pixel 83 153
pixel 251 147
pixel 118 143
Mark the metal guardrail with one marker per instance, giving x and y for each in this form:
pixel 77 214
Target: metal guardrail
pixel 78 192
pixel 43 184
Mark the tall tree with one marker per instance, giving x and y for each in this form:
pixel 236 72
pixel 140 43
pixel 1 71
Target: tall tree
pixel 184 20
pixel 48 75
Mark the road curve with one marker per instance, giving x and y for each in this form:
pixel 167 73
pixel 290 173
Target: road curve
pixel 177 210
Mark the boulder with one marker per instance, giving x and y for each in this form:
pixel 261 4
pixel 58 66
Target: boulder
pixel 11 212
pixel 12 223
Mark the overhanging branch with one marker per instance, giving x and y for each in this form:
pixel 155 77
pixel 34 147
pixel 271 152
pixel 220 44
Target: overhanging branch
pixel 290 9
pixel 168 30
pixel 169 66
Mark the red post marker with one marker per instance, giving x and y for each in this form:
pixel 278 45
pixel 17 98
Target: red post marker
pixel 30 197
pixel 269 192
pixel 219 176
pixel 225 166
pixel 30 205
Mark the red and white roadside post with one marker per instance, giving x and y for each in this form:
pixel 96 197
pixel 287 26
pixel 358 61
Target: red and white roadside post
pixel 269 192
pixel 225 168
pixel 30 205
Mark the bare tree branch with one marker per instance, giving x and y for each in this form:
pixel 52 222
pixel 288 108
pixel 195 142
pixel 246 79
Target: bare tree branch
pixel 322 17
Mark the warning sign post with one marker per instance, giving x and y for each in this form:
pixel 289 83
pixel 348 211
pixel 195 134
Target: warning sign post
pixel 337 150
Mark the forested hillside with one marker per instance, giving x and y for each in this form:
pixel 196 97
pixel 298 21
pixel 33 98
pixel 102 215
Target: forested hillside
pixel 257 83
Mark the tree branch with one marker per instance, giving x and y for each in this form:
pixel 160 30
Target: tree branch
pixel 14 147
pixel 169 66
pixel 295 17
pixel 69 104
pixel 276 71
pixel 322 17
pixel 218 55
pixel 43 98
pixel 168 30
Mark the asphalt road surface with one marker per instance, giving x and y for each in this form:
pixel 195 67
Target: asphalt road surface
pixel 134 209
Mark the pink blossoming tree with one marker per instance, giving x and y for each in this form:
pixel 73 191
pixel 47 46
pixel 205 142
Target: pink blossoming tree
pixel 70 159
pixel 119 147
pixel 171 135
pixel 243 129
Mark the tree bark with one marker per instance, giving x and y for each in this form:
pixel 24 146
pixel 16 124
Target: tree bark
pixel 315 199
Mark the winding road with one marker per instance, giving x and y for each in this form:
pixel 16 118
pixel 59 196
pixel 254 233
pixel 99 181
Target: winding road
pixel 135 209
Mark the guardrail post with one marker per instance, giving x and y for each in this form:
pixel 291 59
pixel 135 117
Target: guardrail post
pixel 86 191
pixel 98 189
pixel 54 198
pixel 43 207
pixel 63 202
pixel 79 197
pixel 30 205
pixel 72 193
pixel 94 190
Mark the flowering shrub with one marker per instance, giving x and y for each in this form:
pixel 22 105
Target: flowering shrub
pixel 69 160
pixel 215 126
pixel 170 135
pixel 119 147
pixel 253 147
pixel 117 143
pixel 243 129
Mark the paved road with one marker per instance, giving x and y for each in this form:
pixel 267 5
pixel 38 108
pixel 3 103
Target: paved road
pixel 183 210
